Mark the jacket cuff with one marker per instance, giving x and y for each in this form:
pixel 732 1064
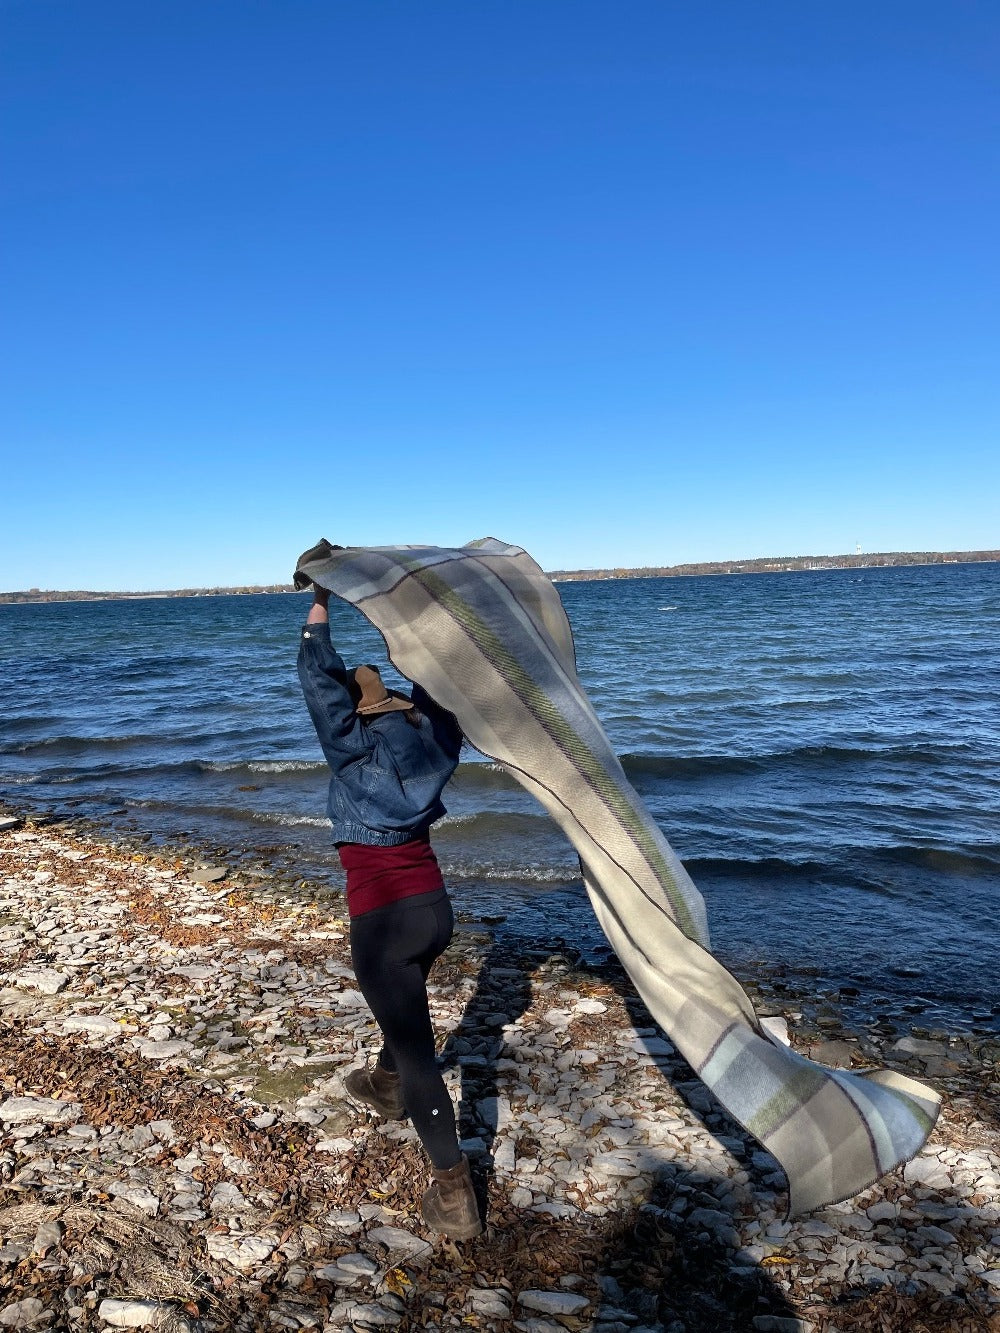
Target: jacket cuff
pixel 318 631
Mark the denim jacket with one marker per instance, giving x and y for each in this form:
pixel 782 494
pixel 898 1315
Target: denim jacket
pixel 387 774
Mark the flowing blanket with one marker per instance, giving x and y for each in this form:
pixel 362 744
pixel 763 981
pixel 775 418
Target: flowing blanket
pixel 482 629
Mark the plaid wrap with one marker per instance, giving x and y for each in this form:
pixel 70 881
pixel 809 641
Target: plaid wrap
pixel 482 629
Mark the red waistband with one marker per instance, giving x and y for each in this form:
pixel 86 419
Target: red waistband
pixel 377 876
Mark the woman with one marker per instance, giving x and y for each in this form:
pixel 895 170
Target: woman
pixel 390 757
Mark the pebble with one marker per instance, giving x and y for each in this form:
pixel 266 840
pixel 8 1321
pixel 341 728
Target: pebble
pixel 833 1054
pixel 490 1303
pixel 43 1110
pixel 100 1025
pixel 927 1170
pixel 47 1237
pixel 208 874
pixel 163 1050
pixel 374 1315
pixel 23 1314
pixel 553 1302
pixel 45 980
pixel 358 1264
pixel 917 1046
pixel 138 1196
pixel 402 1245
pixel 136 1314
pixel 242 1252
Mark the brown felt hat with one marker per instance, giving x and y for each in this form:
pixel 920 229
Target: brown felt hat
pixel 371 694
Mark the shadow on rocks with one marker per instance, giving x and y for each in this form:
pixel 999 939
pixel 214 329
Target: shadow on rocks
pixel 502 995
pixel 665 1263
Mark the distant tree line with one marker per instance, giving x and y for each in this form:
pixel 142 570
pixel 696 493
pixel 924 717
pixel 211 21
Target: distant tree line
pixel 44 595
pixel 783 564
pixel 764 565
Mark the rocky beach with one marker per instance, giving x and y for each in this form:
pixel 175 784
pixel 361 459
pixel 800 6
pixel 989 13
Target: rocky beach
pixel 176 1149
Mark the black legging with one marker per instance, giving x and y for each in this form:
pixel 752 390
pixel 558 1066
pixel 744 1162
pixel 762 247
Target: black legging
pixel 392 949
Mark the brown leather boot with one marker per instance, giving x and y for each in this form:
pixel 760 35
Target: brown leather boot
pixel 377 1088
pixel 450 1205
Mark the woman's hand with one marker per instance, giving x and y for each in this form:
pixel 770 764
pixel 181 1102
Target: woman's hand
pixel 319 612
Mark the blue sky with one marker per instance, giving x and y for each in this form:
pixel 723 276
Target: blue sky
pixel 625 284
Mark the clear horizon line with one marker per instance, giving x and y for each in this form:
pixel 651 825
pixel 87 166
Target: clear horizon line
pixel 856 557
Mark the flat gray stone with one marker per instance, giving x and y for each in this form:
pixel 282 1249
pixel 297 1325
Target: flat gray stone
pixel 552 1302
pixel 621 1162
pixel 938 1235
pixel 776 1028
pixel 137 1195
pixel 163 1050
pixel 657 1047
pixel 344 1219
pixel 208 874
pixel 137 1314
pixel 709 1219
pixel 401 1244
pixel 490 1302
pixel 99 1025
pixel 918 1046
pixel 373 1315
pixel 45 980
pixel 921 1170
pixel 22 1314
pixel 15 1004
pixel 47 1237
pixel 10 822
pixel 358 1264
pixel 35 1110
pixel 243 1252
pixel 833 1054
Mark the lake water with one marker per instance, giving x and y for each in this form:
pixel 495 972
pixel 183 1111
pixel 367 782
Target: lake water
pixel 822 749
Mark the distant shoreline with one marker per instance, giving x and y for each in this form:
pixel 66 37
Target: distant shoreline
pixel 763 565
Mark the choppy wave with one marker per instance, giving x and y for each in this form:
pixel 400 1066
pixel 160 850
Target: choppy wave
pixel 945 860
pixel 816 756
pixel 681 766
pixel 507 872
pixel 70 746
pixel 287 821
pixel 500 824
pixel 270 766
pixel 236 814
pixel 765 867
pixel 484 775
